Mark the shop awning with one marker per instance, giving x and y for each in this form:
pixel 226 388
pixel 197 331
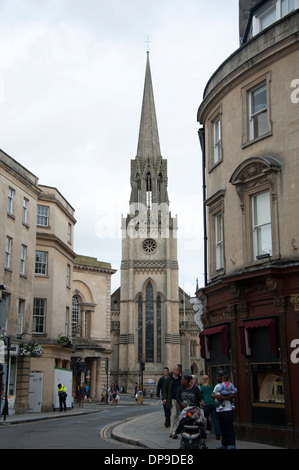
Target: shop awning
pixel 221 329
pixel 261 323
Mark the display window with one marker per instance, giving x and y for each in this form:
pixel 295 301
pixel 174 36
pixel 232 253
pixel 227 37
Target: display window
pixel 267 385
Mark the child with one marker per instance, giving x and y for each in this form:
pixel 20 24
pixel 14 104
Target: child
pixel 224 388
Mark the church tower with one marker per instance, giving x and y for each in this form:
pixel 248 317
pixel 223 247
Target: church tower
pixel 149 291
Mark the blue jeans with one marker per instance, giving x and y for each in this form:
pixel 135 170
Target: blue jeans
pixel 212 410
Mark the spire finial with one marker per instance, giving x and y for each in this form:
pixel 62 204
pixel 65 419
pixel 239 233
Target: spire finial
pixel 147 42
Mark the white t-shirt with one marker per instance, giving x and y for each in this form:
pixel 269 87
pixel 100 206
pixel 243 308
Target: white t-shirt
pixel 226 404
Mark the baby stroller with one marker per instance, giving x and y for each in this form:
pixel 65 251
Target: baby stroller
pixel 192 427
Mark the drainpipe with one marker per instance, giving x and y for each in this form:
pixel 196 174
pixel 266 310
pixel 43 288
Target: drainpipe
pixel 201 135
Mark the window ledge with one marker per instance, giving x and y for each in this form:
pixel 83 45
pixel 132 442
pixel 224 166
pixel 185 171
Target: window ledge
pixel 257 139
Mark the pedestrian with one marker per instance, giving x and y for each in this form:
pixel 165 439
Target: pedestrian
pixel 62 396
pixel 82 393
pixel 188 394
pixel 225 415
pixel 115 391
pixel 88 393
pixel 136 391
pixel 207 390
pixel 159 396
pixel 170 388
pixel 194 380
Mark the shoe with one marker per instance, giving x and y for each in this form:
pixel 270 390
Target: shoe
pixel 166 424
pixel 218 438
pixel 174 436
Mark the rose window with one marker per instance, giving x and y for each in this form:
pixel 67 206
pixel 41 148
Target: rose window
pixel 149 246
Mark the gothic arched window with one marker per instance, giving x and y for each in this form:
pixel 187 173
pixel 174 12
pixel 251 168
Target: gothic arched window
pixel 149 324
pixel 138 186
pixel 148 190
pixel 159 330
pixel 139 328
pixel 159 185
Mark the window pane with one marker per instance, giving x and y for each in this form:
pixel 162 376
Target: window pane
pixel 259 99
pixel 264 240
pixel 268 18
pixel 41 262
pixel 262 209
pixel 262 233
pixel 39 312
pixel 262 125
pixel 258 112
pixel 42 215
pixel 219 241
pixel 75 315
pixel 10 200
pixel 287 6
pixel 217 140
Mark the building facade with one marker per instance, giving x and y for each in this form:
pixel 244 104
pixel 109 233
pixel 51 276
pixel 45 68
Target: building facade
pixel 19 194
pixel 249 137
pixel 147 321
pixel 55 305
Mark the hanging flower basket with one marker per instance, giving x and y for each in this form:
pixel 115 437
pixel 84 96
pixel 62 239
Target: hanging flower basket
pixel 65 341
pixel 31 349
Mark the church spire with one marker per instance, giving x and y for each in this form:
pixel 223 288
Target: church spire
pixel 148 142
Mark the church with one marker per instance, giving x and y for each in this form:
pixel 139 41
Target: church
pixel 152 318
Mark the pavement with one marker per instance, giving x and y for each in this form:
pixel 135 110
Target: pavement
pixel 149 433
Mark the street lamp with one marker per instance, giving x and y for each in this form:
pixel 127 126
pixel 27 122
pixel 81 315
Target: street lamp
pixel 9 348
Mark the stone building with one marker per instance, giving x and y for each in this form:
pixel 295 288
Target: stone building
pixel 249 136
pixel 19 192
pixel 148 320
pixel 52 299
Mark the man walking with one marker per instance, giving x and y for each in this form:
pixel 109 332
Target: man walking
pixel 225 414
pixel 159 395
pixel 171 385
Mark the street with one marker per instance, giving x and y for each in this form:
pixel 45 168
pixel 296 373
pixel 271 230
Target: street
pixel 90 431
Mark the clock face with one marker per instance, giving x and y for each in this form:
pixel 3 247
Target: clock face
pixel 149 246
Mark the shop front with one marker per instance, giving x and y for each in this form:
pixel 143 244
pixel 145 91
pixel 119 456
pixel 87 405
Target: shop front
pixel 249 326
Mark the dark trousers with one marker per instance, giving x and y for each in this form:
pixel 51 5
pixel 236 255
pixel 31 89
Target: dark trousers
pixel 167 414
pixel 213 413
pixel 62 402
pixel 226 423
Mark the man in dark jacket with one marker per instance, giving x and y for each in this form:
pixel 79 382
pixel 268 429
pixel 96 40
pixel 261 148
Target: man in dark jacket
pixel 170 389
pixel 159 395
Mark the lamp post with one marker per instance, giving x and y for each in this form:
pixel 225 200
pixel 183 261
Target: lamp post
pixel 107 370
pixel 9 348
pixel 3 320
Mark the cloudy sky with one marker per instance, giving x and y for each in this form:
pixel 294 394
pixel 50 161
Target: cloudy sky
pixel 71 84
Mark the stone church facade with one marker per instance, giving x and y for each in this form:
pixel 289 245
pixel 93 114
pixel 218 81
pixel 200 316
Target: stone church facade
pixel 152 319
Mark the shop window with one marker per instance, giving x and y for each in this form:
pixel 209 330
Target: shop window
pixel 259 341
pixel 267 384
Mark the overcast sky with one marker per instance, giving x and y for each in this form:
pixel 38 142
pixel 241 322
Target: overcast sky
pixel 71 85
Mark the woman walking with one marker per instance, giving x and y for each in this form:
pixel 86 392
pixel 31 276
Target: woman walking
pixel 207 390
